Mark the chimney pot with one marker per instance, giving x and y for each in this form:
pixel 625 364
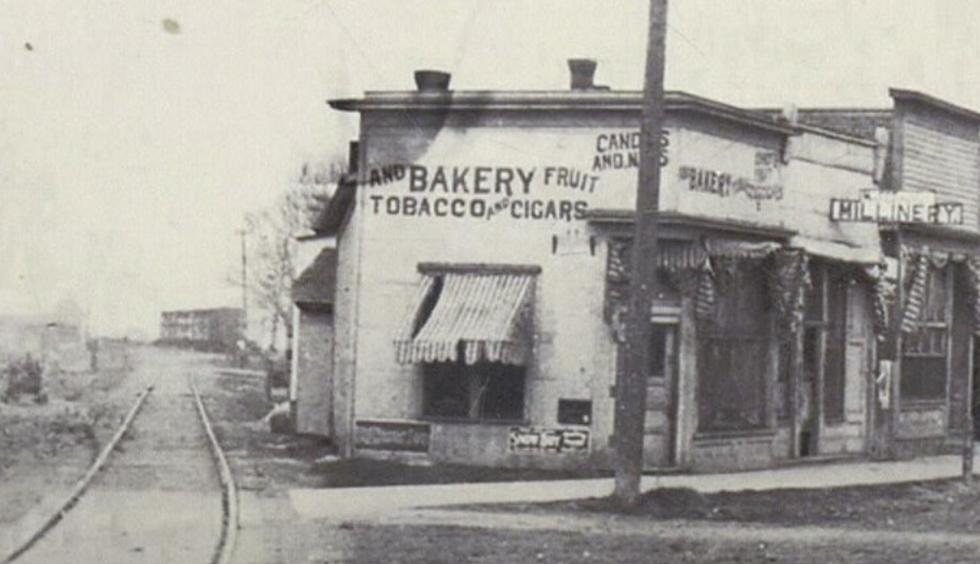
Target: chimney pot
pixel 791 114
pixel 427 80
pixel 583 73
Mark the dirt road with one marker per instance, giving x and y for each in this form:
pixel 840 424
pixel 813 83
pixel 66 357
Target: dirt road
pixel 158 500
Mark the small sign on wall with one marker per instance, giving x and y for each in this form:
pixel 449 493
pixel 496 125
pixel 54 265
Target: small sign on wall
pixel 878 206
pixel 548 441
pixel 392 435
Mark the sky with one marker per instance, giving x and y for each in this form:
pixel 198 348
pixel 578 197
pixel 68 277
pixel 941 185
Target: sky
pixel 134 135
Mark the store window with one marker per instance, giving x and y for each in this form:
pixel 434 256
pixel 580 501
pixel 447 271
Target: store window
pixel 783 398
pixel 824 348
pixel 485 391
pixel 733 352
pixel 835 346
pixel 659 353
pixel 924 349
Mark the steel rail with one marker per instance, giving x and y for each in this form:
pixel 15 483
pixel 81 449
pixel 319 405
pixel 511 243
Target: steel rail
pixel 82 485
pixel 229 494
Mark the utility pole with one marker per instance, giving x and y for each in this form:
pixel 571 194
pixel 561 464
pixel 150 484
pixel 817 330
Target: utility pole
pixel 631 382
pixel 968 440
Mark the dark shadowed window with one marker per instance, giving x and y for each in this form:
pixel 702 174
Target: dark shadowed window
pixel 486 391
pixel 924 350
pixel 835 349
pixel 733 353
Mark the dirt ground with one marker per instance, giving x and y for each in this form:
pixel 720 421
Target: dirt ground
pixel 451 544
pixel 261 461
pixel 47 447
pixel 855 524
pixel 158 498
pixel 942 505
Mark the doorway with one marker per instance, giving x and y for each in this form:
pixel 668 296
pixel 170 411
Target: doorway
pixel 975 405
pixel 660 427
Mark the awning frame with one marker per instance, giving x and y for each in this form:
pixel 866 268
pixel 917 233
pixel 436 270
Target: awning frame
pixel 457 315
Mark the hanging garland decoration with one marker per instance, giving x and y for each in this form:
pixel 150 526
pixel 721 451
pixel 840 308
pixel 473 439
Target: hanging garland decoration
pixel 883 292
pixel 973 269
pixel 705 296
pixel 679 264
pixel 918 271
pixel 617 279
pixel 789 280
pixel 701 269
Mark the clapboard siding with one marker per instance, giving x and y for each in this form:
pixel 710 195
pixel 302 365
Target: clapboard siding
pixel 944 160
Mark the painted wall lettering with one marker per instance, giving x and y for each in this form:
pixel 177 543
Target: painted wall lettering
pixel 725 185
pixel 470 180
pixel 530 439
pixel 621 149
pixel 570 178
pixel 481 192
pixel 516 208
pixel 386 174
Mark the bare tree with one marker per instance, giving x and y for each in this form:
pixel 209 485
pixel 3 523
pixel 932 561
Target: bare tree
pixel 271 243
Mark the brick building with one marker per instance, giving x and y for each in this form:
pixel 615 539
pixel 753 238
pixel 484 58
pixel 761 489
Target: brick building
pixel 482 260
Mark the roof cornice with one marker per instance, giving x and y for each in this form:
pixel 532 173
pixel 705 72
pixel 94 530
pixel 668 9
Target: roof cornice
pixel 567 100
pixel 627 217
pixel 899 94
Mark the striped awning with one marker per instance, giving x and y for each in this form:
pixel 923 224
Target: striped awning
pixel 479 315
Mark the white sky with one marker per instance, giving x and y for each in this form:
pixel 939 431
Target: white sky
pixel 128 154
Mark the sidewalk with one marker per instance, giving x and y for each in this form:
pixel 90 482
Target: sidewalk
pixel 347 502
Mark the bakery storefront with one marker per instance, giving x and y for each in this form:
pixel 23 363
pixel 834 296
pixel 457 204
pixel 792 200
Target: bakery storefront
pixel 483 262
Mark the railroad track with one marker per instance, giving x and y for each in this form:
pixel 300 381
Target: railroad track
pixel 225 545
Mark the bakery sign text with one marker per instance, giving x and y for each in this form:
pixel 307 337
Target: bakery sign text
pixel 724 185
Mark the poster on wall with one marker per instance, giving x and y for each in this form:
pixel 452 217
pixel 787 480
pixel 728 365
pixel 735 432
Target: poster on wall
pixel 553 441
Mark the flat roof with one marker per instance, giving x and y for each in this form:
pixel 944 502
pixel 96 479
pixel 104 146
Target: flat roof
pixel 557 100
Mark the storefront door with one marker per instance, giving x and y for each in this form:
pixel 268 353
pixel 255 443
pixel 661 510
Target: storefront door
pixel 660 436
pixel 975 405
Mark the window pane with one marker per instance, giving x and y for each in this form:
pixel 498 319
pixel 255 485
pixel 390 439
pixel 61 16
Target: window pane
pixel 811 353
pixel 658 352
pixel 733 355
pixel 445 390
pixel 923 377
pixel 836 349
pixel 924 367
pixel 731 392
pixel 814 294
pixel 783 387
pixel 502 391
pixel 935 306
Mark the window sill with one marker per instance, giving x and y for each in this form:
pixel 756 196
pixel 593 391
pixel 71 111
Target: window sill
pixel 911 404
pixel 466 421
pixel 736 434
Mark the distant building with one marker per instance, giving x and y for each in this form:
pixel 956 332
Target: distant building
pixel 214 329
pixel 57 343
